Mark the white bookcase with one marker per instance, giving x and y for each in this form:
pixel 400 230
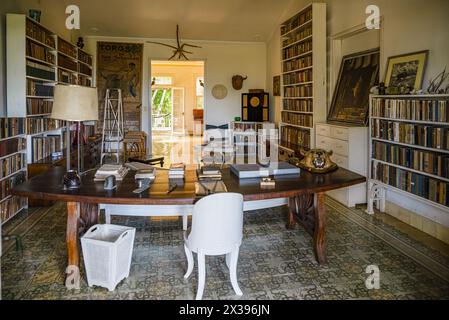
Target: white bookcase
pixel 35 63
pixel 303 63
pixel 409 152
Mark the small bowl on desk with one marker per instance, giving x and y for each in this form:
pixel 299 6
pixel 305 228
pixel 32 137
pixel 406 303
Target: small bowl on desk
pixel 71 180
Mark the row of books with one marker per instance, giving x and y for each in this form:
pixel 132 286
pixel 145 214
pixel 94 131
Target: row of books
pixel 39 52
pixel 411 109
pixel 37 125
pixel 12 164
pixel 84 81
pixel 82 68
pixel 67 77
pixel 10 127
pixel 303 105
pixel 177 171
pixel 422 135
pixel 7 184
pixel 67 63
pixel 297 21
pixel 425 161
pixel 10 207
pixel 296 64
pixel 12 146
pixel 305 120
pixel 297 77
pixel 43 147
pixel 67 48
pixel 300 91
pixel 296 50
pixel 39 89
pixel 38 106
pixel 84 57
pixel 298 35
pixel 40 34
pixel 38 70
pixel 295 136
pixel 420 185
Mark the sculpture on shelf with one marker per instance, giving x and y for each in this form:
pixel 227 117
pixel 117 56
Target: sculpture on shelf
pixel 80 42
pixel 237 81
pixel 435 86
pixel 179 50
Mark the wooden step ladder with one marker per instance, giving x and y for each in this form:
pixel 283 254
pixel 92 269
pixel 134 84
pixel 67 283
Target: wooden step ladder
pixel 113 132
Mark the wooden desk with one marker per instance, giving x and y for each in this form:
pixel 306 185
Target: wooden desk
pixel 305 195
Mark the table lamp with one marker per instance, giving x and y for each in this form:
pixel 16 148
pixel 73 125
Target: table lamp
pixel 74 103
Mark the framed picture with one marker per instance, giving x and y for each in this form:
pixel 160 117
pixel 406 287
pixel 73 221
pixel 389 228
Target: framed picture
pixel 359 72
pixel 276 86
pixel 406 70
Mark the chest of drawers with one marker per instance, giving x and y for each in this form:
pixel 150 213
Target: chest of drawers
pixel 350 151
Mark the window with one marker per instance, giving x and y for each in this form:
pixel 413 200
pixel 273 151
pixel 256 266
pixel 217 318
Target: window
pixel 162 81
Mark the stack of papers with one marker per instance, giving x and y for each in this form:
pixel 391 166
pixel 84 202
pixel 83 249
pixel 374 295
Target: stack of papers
pixel 209 172
pixel 146 174
pixel 107 170
pixel 177 170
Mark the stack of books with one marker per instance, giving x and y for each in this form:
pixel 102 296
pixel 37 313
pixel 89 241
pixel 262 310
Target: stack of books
pixel 209 172
pixel 107 170
pixel 146 174
pixel 177 171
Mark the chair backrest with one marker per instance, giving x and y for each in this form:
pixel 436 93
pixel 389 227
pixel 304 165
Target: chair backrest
pixel 217 223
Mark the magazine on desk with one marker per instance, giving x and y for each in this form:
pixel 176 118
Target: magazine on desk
pixel 106 170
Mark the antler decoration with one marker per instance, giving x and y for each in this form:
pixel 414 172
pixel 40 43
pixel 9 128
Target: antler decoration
pixel 179 50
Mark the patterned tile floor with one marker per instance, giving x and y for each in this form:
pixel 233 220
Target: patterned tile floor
pixel 274 263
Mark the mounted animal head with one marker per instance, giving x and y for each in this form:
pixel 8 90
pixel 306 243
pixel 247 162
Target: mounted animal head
pixel 237 81
pixel 317 160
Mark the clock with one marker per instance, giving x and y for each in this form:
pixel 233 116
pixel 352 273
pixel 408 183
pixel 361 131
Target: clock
pixel 255 106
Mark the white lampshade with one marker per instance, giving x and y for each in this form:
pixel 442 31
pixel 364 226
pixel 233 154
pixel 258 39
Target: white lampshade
pixel 75 103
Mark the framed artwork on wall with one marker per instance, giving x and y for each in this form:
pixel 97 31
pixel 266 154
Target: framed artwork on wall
pixel 406 70
pixel 359 72
pixel 276 86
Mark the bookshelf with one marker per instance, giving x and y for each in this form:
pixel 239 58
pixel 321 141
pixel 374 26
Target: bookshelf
pixel 41 59
pixel 13 166
pixel 303 59
pixel 409 149
pixel 247 139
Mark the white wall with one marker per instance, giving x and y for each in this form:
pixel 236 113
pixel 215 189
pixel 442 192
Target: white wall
pixel 408 26
pixel 184 76
pixel 222 61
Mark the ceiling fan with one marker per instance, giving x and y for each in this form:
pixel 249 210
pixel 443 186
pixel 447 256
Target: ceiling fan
pixel 179 50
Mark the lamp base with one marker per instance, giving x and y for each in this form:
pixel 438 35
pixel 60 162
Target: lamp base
pixel 71 180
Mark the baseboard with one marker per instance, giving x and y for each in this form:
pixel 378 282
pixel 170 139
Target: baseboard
pixel 426 225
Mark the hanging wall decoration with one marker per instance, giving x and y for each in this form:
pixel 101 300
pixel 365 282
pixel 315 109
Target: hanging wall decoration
pixel 119 65
pixel 237 81
pixel 179 49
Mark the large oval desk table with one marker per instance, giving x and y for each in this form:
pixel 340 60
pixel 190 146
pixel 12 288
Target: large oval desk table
pixel 304 194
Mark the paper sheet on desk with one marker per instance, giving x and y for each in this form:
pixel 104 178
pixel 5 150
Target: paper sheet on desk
pixel 204 188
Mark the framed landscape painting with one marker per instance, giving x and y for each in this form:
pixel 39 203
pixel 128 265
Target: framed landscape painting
pixel 359 72
pixel 406 70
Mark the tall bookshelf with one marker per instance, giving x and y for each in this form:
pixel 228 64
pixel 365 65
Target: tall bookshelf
pixel 37 60
pixel 303 59
pixel 13 166
pixel 409 149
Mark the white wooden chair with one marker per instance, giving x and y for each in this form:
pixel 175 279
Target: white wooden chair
pixel 217 229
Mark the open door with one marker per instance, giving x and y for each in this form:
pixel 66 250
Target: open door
pixel 178 121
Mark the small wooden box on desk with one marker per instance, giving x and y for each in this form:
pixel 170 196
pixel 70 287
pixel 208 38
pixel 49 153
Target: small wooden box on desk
pixel 350 149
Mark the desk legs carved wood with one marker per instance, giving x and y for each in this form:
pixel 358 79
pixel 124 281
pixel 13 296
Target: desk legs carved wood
pixel 311 214
pixel 80 217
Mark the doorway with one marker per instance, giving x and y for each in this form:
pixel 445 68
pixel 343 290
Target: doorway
pixel 177 108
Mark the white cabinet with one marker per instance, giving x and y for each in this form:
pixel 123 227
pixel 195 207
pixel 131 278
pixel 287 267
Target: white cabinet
pixel 350 151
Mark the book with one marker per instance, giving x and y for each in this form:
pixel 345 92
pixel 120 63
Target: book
pixel 107 170
pixel 146 174
pixel 257 171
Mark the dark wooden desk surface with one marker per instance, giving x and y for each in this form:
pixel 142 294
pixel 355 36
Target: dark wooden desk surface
pixel 305 193
pixel 49 186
